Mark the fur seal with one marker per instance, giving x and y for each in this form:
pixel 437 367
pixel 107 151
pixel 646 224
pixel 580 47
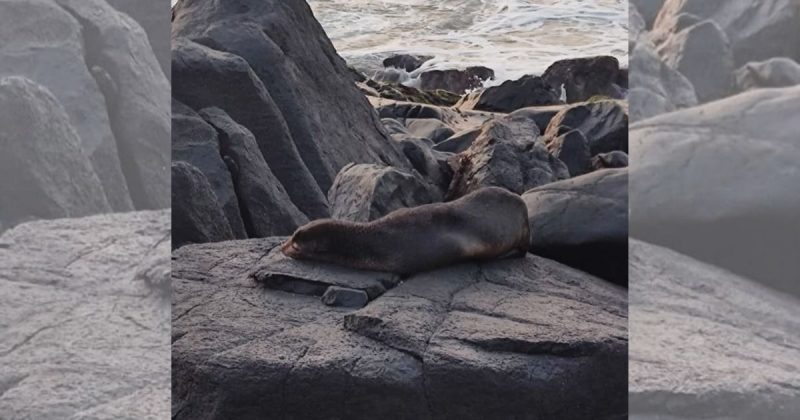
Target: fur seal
pixel 486 224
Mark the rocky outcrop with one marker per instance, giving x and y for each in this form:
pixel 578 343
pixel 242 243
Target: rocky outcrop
pixel 603 123
pixel 155 21
pixel 85 308
pixel 399 92
pixel 583 78
pixel 648 9
pixel 406 62
pixel 656 88
pixel 449 343
pixel 775 72
pixel 57 178
pixel 365 192
pixel 541 115
pixel 506 154
pixel 707 343
pixel 583 222
pixel 615 159
pixel 197 216
pixel 739 156
pixel 572 148
pixel 511 96
pixel 456 81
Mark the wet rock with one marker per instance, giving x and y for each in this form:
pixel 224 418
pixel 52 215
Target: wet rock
pixel 541 115
pixel 506 154
pixel 399 92
pixel 736 203
pixel 655 87
pixel 406 62
pixel 702 53
pixel 197 216
pixel 583 78
pixel 458 142
pixel 603 123
pixel 511 96
pixel 445 343
pixel 615 159
pixel 775 72
pixel 265 205
pixel 85 324
pixel 344 297
pixel 572 148
pixel 57 177
pixel 683 312
pixel 365 192
pixel 429 128
pixel 456 81
pixel 195 141
pixel 583 222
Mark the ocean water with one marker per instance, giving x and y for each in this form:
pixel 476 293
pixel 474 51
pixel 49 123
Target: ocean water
pixel 513 37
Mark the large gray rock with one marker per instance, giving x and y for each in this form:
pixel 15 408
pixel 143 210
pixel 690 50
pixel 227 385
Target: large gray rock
pixel 648 8
pixel 739 155
pixel 204 77
pixel 154 17
pixel 757 30
pixel 583 222
pixel 708 344
pixel 457 81
pixel 702 53
pixel 61 61
pixel 328 118
pixel 583 78
pixel 195 141
pixel 365 192
pixel 406 62
pixel 775 72
pixel 265 205
pixel 44 173
pixel 197 216
pixel 462 342
pixel 506 154
pixel 572 148
pixel 511 96
pixel 655 88
pixel 603 123
pixel 85 305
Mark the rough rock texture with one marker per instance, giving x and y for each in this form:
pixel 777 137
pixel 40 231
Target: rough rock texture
pixel 739 155
pixel 197 216
pixel 757 30
pixel 511 96
pixel 541 115
pixel 702 53
pixel 429 128
pixel 265 206
pixel 328 119
pixel 656 88
pixel 506 154
pixel 467 342
pixel 572 148
pixel 154 17
pixel 367 192
pixel 39 176
pixel 344 297
pixel 431 164
pixel 406 62
pixel 203 77
pixel 708 344
pixel 775 72
pixel 457 81
pixel 85 318
pixel 603 123
pixel 195 141
pixel 393 90
pixel 583 222
pixel 583 78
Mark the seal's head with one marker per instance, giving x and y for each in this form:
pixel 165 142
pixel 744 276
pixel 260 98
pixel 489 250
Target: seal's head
pixel 313 241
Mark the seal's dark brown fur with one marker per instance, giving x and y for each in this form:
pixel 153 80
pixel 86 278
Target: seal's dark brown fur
pixel 486 224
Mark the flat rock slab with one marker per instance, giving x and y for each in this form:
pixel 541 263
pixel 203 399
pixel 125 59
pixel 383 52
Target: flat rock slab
pixel 707 343
pixel 277 271
pixel 526 339
pixel 84 310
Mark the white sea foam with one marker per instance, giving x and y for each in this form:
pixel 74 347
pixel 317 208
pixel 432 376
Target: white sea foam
pixel 514 37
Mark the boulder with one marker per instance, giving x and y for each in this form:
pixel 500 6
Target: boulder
pixel 775 72
pixel 757 31
pixel 41 178
pixel 655 87
pixel 431 164
pixel 708 343
pixel 344 297
pixel 583 222
pixel 572 148
pixel 511 96
pixel 456 81
pixel 406 62
pixel 506 154
pixel 265 205
pixel 393 90
pixel 86 318
pixel 429 128
pixel 206 78
pixel 702 53
pixel 292 56
pixel 366 192
pixel 739 155
pixel 197 216
pixel 458 142
pixel 585 77
pixel 648 9
pixel 194 141
pixel 73 83
pixel 541 115
pixel 155 21
pixel 603 123
pixel 615 159
pixel 445 344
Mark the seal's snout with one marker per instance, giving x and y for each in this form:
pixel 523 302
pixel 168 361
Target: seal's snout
pixel 290 249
